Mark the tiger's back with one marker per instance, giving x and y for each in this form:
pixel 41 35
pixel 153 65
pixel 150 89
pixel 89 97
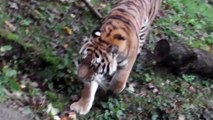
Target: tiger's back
pixel 128 18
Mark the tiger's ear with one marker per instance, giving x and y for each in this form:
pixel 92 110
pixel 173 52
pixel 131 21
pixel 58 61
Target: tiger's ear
pixel 96 33
pixel 113 49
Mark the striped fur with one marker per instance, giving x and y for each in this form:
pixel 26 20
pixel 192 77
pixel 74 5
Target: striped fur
pixel 110 53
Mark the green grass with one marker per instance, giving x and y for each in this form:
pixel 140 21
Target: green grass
pixel 186 21
pixel 194 17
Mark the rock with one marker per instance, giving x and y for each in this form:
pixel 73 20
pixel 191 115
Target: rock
pixel 10 114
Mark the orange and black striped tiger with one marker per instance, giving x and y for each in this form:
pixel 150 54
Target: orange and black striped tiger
pixel 108 56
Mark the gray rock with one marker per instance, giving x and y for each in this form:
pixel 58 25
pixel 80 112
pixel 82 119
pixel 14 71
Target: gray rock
pixel 10 114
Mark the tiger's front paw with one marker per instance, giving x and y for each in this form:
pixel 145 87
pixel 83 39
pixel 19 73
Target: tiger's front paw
pixel 80 107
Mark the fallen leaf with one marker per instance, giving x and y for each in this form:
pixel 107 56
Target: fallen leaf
pixel 22 86
pixel 178 104
pixel 56 117
pixel 156 91
pixel 68 30
pixel 5 48
pixel 141 94
pixel 102 6
pixel 181 117
pixel 131 87
pixel 53 111
pixel 209 103
pixel 151 86
pixel 10 26
pixel 192 89
pixel 26 30
pixel 72 15
pixel 13 5
pixel 65 46
pixel 69 116
pixel 169 110
pixel 37 13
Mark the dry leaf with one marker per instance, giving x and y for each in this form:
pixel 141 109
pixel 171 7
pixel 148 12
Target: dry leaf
pixel 181 117
pixel 52 110
pixel 65 46
pixel 68 30
pixel 57 118
pixel 13 5
pixel 37 13
pixel 10 26
pixel 69 116
pixel 27 30
pixel 72 15
pixel 102 6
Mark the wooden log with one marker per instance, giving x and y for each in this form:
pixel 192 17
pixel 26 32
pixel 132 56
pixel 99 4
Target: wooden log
pixel 181 58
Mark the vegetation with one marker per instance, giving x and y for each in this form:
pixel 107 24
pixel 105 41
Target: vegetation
pixel 39 41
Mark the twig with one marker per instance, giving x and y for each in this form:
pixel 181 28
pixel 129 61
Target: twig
pixel 92 9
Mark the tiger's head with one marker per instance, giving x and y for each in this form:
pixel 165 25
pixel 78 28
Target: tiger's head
pixel 97 58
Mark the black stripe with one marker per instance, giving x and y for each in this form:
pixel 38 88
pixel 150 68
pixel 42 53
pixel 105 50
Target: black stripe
pixel 89 49
pixel 142 35
pixel 124 29
pixel 103 68
pixel 100 53
pixel 107 68
pixel 106 58
pixel 121 10
pixel 119 17
pixel 96 55
pixel 134 4
pixel 142 27
pixel 102 41
pixel 129 3
pixel 124 12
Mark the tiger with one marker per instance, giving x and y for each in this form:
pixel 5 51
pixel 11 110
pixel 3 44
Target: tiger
pixel 108 56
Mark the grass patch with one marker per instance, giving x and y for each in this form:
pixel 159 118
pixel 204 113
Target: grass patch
pixel 55 30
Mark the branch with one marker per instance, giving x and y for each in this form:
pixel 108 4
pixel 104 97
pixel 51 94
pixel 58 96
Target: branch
pixel 92 9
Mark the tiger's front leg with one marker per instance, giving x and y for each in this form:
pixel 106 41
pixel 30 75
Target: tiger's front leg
pixel 84 104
